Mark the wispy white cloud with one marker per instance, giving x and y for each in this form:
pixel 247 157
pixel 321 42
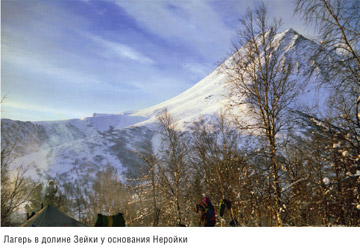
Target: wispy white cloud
pixel 111 49
pixel 194 23
pixel 67 76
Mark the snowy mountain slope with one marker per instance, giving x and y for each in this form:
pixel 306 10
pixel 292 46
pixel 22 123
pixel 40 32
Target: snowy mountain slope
pixel 62 147
pixel 209 95
pixel 67 147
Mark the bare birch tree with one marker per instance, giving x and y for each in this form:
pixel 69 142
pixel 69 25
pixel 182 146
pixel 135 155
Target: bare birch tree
pixel 338 26
pixel 173 168
pixel 148 186
pixel 109 195
pixel 16 188
pixel 258 77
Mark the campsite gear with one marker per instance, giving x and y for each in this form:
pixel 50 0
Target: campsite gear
pixel 227 204
pixel 51 217
pixel 110 221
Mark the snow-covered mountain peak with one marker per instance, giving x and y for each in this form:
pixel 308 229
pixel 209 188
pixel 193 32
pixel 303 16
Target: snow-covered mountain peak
pixel 65 146
pixel 208 96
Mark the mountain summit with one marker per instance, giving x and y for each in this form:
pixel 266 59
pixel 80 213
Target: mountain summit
pixel 66 147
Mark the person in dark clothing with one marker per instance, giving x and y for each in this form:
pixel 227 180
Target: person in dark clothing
pixel 227 204
pixel 207 213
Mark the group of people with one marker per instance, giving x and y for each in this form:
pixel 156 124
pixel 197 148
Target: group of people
pixel 208 215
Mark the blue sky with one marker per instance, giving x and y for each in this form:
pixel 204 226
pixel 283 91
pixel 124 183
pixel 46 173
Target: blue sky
pixel 65 59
